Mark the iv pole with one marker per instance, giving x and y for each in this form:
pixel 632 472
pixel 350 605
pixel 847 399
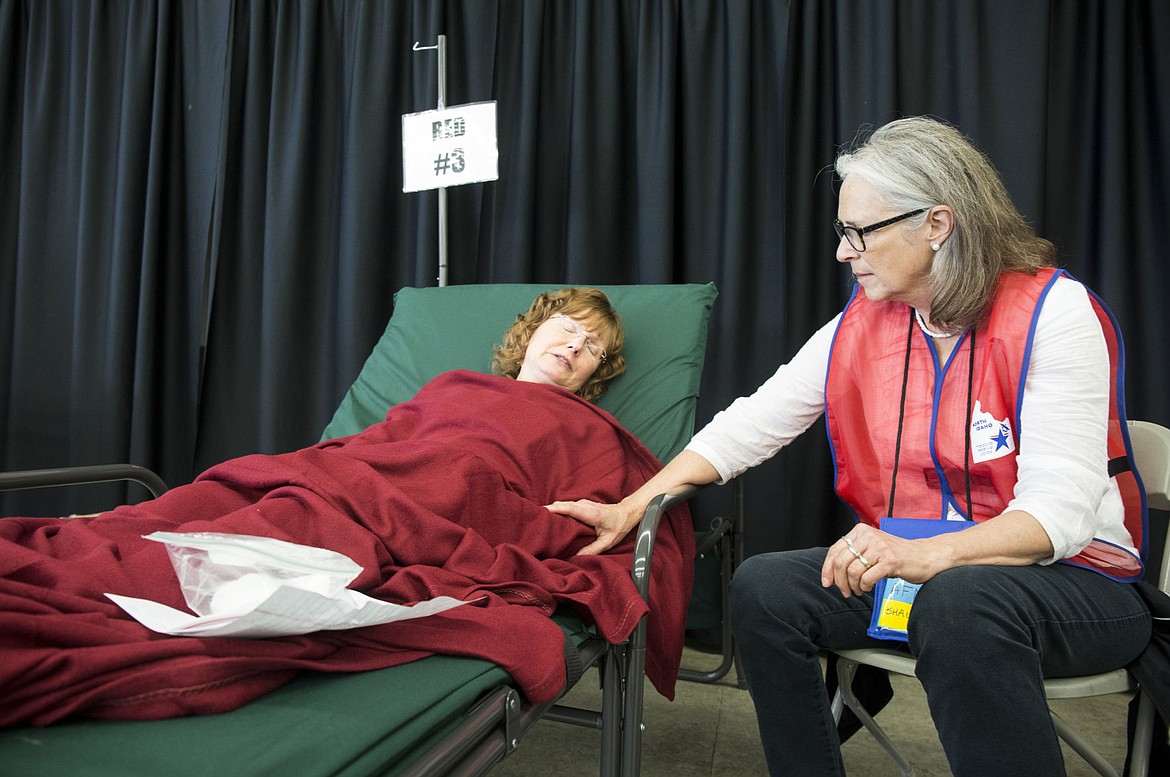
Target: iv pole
pixel 441 49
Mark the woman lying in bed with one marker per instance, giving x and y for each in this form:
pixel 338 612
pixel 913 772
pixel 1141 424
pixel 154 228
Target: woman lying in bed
pixel 444 498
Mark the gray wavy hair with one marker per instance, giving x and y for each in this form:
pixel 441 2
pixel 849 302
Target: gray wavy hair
pixel 920 162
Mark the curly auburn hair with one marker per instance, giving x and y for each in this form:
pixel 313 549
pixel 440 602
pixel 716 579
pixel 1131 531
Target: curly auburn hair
pixel 587 305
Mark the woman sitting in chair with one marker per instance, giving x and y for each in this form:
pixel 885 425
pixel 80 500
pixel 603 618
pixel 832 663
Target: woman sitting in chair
pixel 444 498
pixel 965 379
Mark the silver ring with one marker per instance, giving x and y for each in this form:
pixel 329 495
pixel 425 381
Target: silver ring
pixel 856 553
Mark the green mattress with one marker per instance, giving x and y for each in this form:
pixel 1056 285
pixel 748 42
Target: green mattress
pixel 319 724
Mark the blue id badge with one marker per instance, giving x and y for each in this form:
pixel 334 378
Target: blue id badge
pixel 893 597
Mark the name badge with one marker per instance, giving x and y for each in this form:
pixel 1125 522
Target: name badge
pixel 991 437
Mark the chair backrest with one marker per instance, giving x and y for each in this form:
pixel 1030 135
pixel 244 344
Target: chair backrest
pixel 434 330
pixel 1151 450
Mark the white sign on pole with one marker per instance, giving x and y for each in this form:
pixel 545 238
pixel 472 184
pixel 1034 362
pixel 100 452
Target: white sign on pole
pixel 449 147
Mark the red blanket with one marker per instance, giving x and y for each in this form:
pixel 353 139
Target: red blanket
pixel 443 498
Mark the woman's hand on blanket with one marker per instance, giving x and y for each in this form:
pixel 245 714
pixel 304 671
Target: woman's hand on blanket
pixel 611 522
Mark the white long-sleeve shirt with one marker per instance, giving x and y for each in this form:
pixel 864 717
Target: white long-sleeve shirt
pixel 1062 462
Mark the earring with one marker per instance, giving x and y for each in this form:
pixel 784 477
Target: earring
pixel 935 246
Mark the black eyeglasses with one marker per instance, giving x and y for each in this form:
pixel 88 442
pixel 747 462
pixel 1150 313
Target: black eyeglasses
pixel 855 234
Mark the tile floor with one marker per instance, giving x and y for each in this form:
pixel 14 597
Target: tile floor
pixel 710 731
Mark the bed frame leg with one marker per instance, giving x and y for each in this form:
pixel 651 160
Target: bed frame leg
pixel 611 711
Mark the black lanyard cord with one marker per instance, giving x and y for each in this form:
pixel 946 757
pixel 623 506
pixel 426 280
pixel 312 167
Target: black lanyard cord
pixel 901 415
pixel 902 419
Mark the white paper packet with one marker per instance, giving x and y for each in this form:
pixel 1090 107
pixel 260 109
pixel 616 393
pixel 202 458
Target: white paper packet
pixel 244 586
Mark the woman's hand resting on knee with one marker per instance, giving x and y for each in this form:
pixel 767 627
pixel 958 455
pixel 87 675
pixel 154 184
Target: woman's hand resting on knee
pixel 857 561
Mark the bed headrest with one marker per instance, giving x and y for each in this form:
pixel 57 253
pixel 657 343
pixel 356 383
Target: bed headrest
pixel 433 330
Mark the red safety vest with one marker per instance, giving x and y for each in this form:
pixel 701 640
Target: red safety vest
pixel 863 399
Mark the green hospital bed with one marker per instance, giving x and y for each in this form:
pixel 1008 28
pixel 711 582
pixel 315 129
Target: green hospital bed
pixel 443 714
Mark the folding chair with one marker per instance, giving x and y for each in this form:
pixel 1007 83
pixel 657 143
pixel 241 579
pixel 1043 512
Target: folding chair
pixel 1151 447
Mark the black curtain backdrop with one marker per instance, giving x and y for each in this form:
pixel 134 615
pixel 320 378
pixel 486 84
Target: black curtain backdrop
pixel 202 221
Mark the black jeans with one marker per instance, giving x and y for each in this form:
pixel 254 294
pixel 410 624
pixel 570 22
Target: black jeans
pixel 984 638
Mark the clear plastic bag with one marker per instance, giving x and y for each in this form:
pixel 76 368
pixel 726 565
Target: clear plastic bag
pixel 224 572
pixel 257 587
